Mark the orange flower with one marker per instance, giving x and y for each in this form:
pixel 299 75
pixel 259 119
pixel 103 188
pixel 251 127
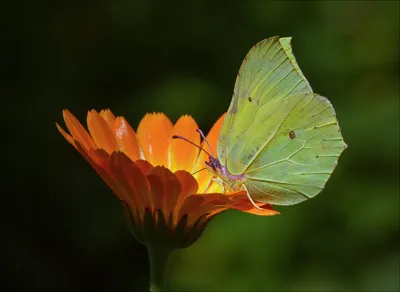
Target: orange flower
pixel 151 173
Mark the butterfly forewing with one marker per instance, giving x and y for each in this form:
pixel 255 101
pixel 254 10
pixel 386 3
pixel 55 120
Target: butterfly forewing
pixel 268 73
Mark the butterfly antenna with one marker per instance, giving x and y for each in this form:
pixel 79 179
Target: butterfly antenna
pixel 199 170
pixel 204 138
pixel 251 200
pixel 185 139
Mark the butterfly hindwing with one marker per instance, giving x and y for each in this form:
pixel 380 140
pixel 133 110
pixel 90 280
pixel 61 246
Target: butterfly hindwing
pixel 300 153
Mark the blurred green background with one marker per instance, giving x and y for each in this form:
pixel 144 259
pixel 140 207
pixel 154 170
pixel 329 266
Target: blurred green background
pixel 63 229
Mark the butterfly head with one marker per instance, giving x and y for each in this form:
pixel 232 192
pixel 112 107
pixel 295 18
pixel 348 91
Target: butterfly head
pixel 231 181
pixel 214 163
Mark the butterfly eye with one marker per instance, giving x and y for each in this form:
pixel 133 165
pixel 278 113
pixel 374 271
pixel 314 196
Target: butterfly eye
pixel 250 99
pixel 211 164
pixel 292 135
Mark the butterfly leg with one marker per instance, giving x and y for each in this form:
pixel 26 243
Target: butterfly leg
pixel 251 200
pixel 220 182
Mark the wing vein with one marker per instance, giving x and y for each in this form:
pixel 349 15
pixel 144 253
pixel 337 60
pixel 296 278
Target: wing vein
pixel 271 137
pixel 284 188
pixel 282 182
pixel 277 162
pixel 276 84
pixel 267 76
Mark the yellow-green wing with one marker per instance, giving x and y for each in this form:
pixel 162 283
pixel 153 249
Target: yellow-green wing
pixel 269 73
pixel 291 149
pixel 282 136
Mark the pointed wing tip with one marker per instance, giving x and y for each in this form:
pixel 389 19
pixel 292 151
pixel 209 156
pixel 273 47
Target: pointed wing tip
pixel 286 40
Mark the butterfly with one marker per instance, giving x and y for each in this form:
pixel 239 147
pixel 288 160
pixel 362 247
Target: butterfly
pixel 279 141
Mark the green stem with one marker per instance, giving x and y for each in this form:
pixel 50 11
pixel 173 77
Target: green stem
pixel 158 265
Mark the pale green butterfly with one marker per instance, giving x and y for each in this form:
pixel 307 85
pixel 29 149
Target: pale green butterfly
pixel 279 141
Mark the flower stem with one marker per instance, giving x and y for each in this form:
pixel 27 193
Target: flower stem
pixel 158 265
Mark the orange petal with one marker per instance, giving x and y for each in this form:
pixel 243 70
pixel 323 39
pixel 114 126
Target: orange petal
pixel 109 117
pixel 216 199
pixel 212 203
pixel 204 177
pixel 265 212
pixel 126 138
pixel 131 180
pixel 205 210
pixel 66 136
pixel 165 189
pixel 189 186
pixel 77 131
pixel 157 192
pixel 154 133
pixel 101 158
pixel 188 183
pixel 183 154
pixel 101 132
pixel 191 204
pixel 144 166
pixel 241 202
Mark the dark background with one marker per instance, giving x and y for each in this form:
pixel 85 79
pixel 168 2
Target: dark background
pixel 63 229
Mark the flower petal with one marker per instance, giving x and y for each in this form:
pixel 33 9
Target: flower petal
pixel 165 189
pixel 126 138
pixel 66 136
pixel 101 132
pixel 183 154
pixel 192 203
pixel 212 203
pixel 109 117
pixel 154 133
pixel 241 202
pixel 144 166
pixel 189 186
pixel 77 131
pixel 131 180
pixel 265 212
